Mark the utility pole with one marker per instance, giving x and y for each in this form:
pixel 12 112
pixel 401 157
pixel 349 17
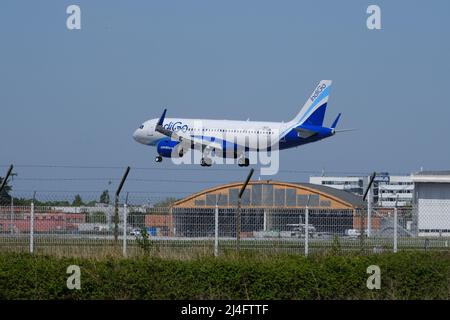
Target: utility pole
pixel 116 213
pixel 238 211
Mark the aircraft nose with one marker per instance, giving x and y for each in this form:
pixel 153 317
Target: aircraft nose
pixel 136 135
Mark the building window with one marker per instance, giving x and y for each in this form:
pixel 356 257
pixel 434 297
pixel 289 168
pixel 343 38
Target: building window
pixel 291 195
pixel 233 196
pixel 211 199
pixel 256 194
pixel 199 203
pixel 267 195
pixel 222 200
pixel 280 195
pixel 314 200
pixel 325 203
pixel 301 200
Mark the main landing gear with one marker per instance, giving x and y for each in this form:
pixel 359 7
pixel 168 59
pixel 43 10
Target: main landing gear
pixel 158 159
pixel 206 162
pixel 243 162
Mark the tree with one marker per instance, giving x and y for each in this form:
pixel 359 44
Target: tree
pixel 77 202
pixel 162 207
pixel 96 217
pixel 165 203
pixel 4 195
pixel 104 197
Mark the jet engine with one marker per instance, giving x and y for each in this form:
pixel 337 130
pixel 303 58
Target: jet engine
pixel 165 148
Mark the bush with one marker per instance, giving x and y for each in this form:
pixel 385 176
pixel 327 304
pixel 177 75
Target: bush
pixel 405 275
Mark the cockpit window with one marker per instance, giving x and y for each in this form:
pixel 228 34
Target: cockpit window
pixel 141 126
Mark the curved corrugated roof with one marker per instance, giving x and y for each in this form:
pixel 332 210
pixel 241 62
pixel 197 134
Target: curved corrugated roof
pixel 342 196
pixel 348 197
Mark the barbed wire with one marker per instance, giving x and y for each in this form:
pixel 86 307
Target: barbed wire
pixel 343 172
pixel 96 191
pixel 129 179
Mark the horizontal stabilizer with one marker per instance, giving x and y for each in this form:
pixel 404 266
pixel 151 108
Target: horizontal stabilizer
pixel 344 130
pixel 305 133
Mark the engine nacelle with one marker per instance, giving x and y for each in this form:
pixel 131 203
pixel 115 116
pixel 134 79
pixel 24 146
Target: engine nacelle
pixel 165 148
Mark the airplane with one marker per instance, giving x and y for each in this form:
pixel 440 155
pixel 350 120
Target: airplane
pixel 173 137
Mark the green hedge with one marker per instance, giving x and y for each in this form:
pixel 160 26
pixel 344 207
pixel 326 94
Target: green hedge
pixel 406 275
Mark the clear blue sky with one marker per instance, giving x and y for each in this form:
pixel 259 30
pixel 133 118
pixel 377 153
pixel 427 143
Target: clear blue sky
pixel 75 97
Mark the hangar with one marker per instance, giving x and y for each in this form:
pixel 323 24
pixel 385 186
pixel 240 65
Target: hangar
pixel 266 206
pixel 431 201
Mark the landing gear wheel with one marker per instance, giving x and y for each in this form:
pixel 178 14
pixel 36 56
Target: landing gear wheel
pixel 243 162
pixel 206 162
pixel 158 159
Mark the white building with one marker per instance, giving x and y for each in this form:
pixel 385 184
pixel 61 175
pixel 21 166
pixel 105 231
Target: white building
pixel 385 188
pixel 432 201
pixel 351 184
pixel 399 188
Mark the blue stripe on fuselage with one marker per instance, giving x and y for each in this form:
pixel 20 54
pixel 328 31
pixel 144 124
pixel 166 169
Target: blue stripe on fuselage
pixel 291 139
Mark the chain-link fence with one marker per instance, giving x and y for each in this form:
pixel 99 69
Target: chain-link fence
pixel 144 225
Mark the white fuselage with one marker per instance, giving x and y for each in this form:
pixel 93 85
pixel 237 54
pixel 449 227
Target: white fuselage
pixel 251 132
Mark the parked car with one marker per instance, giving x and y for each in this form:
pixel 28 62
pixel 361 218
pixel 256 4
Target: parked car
pixel 135 232
pixel 353 233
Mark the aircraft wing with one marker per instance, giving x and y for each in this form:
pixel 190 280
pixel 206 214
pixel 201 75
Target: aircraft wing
pixel 187 141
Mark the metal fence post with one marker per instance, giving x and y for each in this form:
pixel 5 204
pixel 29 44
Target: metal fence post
pixel 238 212
pixel 116 204
pixel 395 229
pixel 216 231
pixel 369 210
pixel 116 218
pixel 265 220
pixel 125 209
pixel 32 226
pixel 306 230
pixel 238 226
pixel 3 184
pixel 12 215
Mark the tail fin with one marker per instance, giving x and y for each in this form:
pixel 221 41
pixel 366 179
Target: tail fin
pixel 314 109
